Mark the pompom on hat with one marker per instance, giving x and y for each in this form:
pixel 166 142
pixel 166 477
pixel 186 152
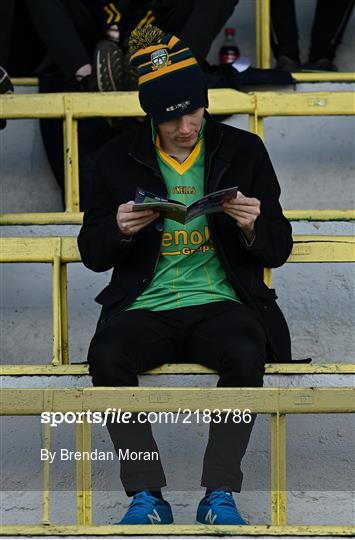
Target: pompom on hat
pixel 170 81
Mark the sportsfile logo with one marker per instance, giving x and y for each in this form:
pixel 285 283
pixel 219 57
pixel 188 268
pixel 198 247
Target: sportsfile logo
pixel 183 105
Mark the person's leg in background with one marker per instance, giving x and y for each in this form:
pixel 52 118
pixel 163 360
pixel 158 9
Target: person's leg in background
pixel 72 31
pixel 21 50
pixel 232 341
pixel 329 25
pixel 69 32
pixel 284 35
pixel 185 18
pixel 93 133
pixel 7 16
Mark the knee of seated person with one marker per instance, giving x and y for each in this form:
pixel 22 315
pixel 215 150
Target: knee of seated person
pixel 246 365
pixel 249 350
pixel 251 374
pixel 108 368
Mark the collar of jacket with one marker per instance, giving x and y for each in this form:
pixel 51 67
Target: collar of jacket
pixel 142 149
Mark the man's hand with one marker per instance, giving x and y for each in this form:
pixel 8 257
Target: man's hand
pixel 244 210
pixel 130 222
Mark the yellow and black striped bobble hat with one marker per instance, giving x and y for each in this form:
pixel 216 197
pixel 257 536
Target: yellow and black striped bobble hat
pixel 170 81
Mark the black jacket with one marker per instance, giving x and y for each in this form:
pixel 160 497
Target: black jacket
pixel 232 157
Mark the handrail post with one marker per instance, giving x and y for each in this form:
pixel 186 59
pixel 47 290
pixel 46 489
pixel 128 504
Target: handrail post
pixel 83 475
pixel 48 400
pixel 278 469
pixel 71 157
pixel 56 301
pixel 265 34
pixel 64 313
pixel 258 32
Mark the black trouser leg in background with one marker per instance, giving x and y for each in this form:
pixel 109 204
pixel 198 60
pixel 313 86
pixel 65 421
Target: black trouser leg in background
pixel 93 133
pixel 70 32
pixel 68 29
pixel 21 50
pixel 329 24
pixel 226 336
pixel 197 22
pixel 284 30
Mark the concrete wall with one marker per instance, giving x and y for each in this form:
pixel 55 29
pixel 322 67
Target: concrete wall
pixel 314 161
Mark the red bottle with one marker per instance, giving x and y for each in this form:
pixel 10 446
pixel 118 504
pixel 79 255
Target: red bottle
pixel 229 52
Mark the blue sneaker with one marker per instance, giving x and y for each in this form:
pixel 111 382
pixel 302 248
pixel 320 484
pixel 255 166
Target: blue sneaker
pixel 147 510
pixel 218 508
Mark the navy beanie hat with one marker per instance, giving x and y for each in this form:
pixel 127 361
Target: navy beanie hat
pixel 170 81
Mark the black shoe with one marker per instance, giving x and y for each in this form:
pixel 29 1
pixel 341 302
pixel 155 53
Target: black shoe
pixel 108 66
pixel 226 76
pixel 285 63
pixel 323 64
pixel 6 86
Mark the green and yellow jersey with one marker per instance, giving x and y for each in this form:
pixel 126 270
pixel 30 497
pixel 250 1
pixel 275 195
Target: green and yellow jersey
pixel 188 272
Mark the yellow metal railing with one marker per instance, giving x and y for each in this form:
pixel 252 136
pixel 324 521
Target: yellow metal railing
pixel 262 20
pixel 300 77
pixel 61 251
pixel 272 104
pixel 72 107
pixel 278 402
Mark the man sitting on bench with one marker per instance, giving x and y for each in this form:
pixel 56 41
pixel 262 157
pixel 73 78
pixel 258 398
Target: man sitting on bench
pixel 190 293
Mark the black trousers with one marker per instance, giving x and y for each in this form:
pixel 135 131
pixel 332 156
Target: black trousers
pixel 329 24
pixel 196 22
pixel 68 28
pixel 226 336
